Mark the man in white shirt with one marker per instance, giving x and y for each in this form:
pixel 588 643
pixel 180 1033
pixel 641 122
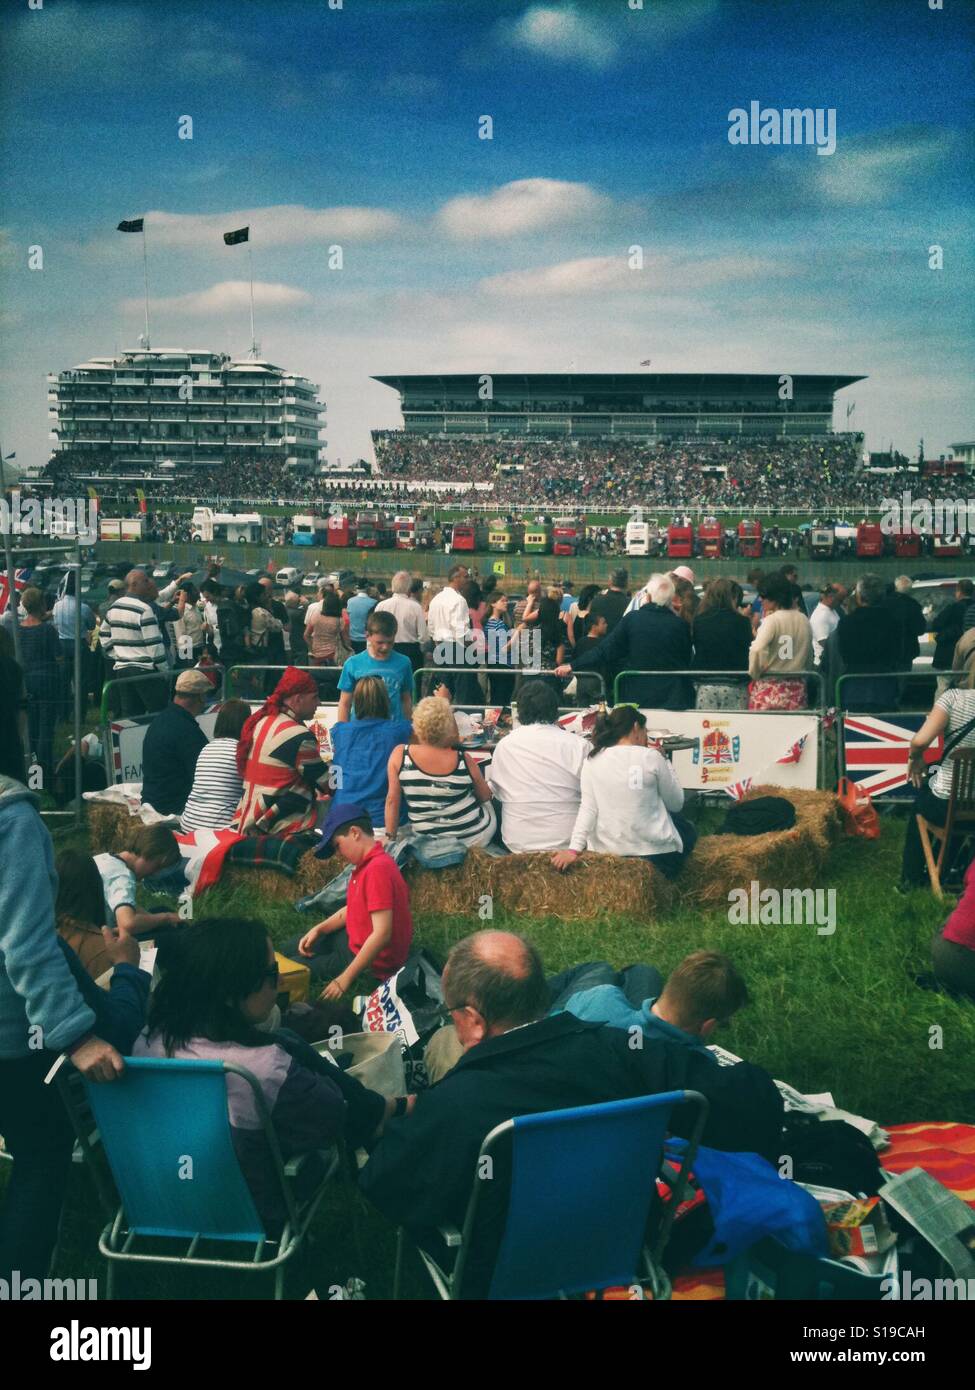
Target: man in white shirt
pixel 411 626
pixel 535 774
pixel 449 623
pixel 825 620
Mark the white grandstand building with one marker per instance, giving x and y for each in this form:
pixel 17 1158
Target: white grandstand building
pixel 153 411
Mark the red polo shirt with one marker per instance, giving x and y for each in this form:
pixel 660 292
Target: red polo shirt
pixel 960 926
pixel 377 885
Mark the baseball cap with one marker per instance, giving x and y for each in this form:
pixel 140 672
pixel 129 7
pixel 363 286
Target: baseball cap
pixel 339 814
pixel 192 683
pixel 684 572
pixel 116 584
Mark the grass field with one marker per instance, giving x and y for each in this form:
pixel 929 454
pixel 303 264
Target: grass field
pixel 838 1013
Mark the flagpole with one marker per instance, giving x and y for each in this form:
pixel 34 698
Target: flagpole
pixel 145 267
pixel 11 568
pixel 250 266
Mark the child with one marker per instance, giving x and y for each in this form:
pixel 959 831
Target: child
pixel 378 659
pixel 151 848
pixel 374 930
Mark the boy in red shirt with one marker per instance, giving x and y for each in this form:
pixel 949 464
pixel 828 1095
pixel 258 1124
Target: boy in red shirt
pixel 374 930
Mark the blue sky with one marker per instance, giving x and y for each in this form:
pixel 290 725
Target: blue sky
pixel 358 127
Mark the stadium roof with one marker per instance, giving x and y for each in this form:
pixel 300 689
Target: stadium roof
pixel 645 382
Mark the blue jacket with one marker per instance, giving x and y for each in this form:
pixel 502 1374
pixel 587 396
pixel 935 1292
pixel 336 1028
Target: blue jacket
pixel 608 1004
pixel 361 750
pixel 37 990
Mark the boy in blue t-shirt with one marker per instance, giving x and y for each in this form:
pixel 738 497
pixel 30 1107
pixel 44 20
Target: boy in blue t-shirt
pixel 379 659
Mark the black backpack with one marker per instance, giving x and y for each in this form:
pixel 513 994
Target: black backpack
pixel 831 1153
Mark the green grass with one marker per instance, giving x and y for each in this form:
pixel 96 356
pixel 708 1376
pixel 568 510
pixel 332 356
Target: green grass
pixel 833 1013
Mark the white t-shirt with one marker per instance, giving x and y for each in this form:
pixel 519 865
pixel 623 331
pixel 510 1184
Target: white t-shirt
pixel 449 617
pixel 824 621
pixel 118 884
pixel 535 775
pixel 627 793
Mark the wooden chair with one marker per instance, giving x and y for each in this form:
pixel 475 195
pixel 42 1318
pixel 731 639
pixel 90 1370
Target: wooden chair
pixel 960 817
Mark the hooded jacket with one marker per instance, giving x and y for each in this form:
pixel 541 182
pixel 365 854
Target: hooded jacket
pixel 40 1004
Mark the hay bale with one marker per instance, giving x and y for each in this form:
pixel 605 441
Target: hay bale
pixel 781 859
pixel 109 826
pixel 596 886
pixel 455 891
pixel 313 874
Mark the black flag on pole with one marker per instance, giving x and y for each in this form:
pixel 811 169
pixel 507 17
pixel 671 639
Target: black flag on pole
pixel 233 238
pixel 135 226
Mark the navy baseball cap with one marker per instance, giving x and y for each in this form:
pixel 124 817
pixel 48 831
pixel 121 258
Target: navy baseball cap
pixel 339 814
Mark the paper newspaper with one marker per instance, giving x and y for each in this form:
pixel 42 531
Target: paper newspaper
pixel 938 1216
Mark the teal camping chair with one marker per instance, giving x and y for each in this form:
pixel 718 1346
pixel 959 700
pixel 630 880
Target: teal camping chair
pixel 165 1132
pixel 582 1185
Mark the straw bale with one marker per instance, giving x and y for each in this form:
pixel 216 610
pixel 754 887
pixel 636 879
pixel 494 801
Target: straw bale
pixel 108 826
pixel 596 885
pixel 781 859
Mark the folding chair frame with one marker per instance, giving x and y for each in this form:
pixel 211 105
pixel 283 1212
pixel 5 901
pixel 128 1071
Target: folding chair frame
pixel 962 761
pixel 448 1285
pixel 116 1242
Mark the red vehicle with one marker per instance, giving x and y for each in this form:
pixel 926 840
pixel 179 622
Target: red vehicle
pixel 567 537
pixel 468 536
pixel 750 539
pixel 869 541
pixel 907 546
pixel 946 546
pixel 341 531
pixel 710 538
pixel 404 530
pixel 373 531
pixel 680 542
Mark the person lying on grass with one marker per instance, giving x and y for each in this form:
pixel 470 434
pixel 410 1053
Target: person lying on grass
pixel 150 849
pixel 372 934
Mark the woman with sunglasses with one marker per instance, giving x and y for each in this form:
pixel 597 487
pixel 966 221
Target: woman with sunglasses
pixel 218 985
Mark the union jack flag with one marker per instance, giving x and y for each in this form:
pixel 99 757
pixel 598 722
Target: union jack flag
pixel 20 580
pixel 795 752
pixel 876 751
pixel 738 789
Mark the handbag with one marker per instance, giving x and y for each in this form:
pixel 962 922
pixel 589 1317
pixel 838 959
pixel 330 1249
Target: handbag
pixel 378 1060
pixel 859 813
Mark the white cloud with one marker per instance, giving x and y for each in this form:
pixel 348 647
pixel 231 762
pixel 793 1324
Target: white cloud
pixel 612 275
pixel 227 295
pixel 283 225
pixel 872 171
pixel 560 32
pixel 526 205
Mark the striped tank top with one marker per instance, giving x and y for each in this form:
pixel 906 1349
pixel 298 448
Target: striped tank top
pixel 444 803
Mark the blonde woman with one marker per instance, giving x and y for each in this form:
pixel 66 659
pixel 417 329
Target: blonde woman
pixel 443 788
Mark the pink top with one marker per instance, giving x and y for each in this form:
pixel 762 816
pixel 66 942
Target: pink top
pixel 960 926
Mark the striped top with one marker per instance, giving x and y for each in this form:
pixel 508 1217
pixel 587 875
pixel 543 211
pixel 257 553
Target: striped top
pixel 959 705
pixel 131 636
pixel 217 788
pixel 445 803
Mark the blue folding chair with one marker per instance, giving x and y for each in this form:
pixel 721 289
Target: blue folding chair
pixel 165 1132
pixel 579 1200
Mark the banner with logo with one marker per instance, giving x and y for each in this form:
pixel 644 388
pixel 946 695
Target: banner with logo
pixel 737 749
pixel 123 745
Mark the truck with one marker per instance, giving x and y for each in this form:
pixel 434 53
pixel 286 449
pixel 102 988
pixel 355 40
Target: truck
pixel 567 535
pixel 309 530
pixel 750 539
pixel 710 539
pixel 822 542
pixel 869 541
pixel 468 536
pixel 237 528
pixel 680 542
pixel 504 537
pixel 341 530
pixel 373 531
pixel 636 539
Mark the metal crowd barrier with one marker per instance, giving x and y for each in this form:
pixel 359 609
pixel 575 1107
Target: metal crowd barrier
pixel 877 726
pixel 518 673
pixel 737 678
pixel 161 681
pixel 230 682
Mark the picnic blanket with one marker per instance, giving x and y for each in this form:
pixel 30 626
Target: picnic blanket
pixel 269 852
pixel 206 852
pixel 946 1151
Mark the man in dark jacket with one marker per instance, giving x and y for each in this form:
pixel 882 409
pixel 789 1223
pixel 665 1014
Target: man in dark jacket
pixel 519 1062
pixel 651 638
pixel 869 639
pixel 612 603
pixel 172 745
pixel 910 616
pixel 950 623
